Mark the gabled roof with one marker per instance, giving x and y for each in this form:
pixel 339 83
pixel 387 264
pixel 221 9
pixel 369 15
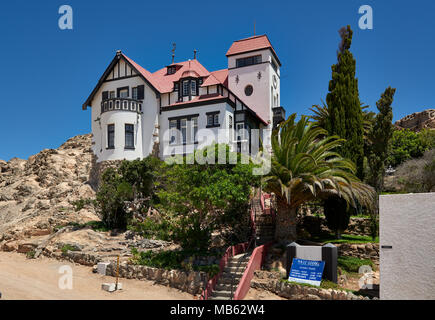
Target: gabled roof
pixel 251 44
pixel 166 81
pixel 146 76
pixel 217 77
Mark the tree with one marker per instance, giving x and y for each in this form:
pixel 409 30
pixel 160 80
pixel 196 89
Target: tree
pixel 111 197
pixel 405 144
pixel 379 139
pixel 205 197
pixel 305 167
pixel 344 107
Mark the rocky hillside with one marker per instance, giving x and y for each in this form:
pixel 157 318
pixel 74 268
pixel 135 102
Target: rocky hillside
pixel 418 121
pixel 36 195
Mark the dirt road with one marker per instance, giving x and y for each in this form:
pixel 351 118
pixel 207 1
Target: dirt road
pixel 22 278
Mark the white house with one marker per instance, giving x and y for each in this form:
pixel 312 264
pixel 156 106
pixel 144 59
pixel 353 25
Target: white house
pixel 183 106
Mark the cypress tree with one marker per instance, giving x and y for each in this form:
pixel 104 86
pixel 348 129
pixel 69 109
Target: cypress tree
pixel 379 139
pixel 345 114
pixel 345 120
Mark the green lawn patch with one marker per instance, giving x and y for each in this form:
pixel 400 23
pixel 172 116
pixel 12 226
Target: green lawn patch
pixel 352 264
pixel 345 238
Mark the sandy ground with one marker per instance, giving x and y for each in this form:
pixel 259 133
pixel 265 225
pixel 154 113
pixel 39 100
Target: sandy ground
pixel 22 278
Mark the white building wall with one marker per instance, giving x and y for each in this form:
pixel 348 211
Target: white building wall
pixel 212 134
pixel 262 99
pixel 145 123
pixel 407 224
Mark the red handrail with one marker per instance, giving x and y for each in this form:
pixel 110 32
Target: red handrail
pixel 230 252
pixel 255 262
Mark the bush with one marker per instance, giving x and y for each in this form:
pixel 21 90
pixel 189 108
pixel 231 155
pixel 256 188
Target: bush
pixel 418 175
pixel 67 247
pixel 407 144
pixel 151 229
pixel 352 264
pixel 171 260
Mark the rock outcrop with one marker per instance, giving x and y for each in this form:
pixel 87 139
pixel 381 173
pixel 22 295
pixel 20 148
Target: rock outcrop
pixel 37 194
pixel 418 121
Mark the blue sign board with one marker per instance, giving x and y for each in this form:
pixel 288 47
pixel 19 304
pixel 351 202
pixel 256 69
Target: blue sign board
pixel 307 271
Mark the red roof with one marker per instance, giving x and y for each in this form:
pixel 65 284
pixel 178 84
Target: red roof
pixel 251 44
pixel 190 68
pixel 145 73
pixel 217 77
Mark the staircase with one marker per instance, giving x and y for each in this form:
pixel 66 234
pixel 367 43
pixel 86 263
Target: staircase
pixel 231 276
pixel 265 227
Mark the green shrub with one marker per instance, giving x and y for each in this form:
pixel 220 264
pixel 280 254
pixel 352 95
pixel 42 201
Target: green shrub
pixel 67 247
pixel 352 264
pixel 172 260
pixel 30 254
pixel 152 229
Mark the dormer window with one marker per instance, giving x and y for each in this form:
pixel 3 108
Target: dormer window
pixel 185 88
pixel 171 70
pixel 193 87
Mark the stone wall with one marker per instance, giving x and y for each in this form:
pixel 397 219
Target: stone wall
pixel 189 281
pixel 300 292
pixel 361 251
pixel 357 226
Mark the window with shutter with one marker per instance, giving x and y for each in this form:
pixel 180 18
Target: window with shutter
pixel 141 92
pixel 105 95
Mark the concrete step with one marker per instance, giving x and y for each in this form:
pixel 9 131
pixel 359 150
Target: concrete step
pixel 221 294
pixel 227 286
pixel 218 298
pixel 237 263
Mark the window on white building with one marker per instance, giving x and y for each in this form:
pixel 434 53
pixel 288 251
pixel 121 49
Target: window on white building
pixel 172 131
pixel 230 127
pixel 194 129
pixel 134 92
pixel 123 93
pixel 185 88
pixel 111 136
pixel 129 136
pixel 213 119
pixel 112 95
pixel 193 88
pixel 183 127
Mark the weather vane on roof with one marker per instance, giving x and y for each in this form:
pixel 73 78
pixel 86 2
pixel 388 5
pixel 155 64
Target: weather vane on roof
pixel 174 46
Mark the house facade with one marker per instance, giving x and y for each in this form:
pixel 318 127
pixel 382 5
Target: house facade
pixel 183 106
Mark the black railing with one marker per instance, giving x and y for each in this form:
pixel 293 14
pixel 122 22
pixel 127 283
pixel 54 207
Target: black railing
pixel 121 104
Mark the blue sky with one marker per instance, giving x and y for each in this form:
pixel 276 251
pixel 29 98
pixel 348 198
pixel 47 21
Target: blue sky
pixel 47 73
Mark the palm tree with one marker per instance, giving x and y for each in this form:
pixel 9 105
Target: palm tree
pixel 305 167
pixel 321 114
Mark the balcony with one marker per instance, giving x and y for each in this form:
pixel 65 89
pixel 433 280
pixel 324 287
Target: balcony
pixel 121 104
pixel 278 115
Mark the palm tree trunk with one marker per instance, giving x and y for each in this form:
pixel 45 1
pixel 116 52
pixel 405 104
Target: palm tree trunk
pixel 285 227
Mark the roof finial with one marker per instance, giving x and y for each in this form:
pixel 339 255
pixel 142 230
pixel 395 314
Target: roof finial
pixel 254 28
pixel 174 46
pixel 194 54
